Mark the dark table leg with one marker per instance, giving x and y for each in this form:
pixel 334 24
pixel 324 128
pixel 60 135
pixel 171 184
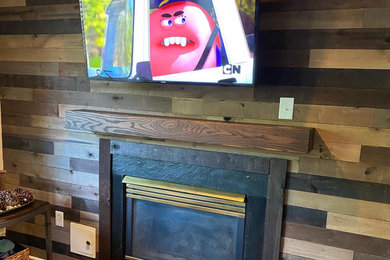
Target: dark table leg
pixel 48 235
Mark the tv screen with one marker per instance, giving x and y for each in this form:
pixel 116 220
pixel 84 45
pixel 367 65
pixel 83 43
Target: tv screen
pixel 194 41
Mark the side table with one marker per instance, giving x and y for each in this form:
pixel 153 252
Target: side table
pixel 28 212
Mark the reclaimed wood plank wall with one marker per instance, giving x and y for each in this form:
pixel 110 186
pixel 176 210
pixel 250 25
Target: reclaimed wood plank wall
pixel 332 56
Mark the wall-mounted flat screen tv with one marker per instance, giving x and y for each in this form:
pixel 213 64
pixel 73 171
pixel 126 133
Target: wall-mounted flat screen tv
pixel 187 41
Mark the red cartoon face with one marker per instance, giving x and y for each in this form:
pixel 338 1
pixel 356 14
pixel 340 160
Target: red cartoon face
pixel 179 33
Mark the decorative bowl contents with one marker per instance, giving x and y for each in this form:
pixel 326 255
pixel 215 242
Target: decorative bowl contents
pixel 13 199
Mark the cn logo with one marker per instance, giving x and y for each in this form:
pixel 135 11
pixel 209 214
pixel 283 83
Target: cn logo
pixel 232 69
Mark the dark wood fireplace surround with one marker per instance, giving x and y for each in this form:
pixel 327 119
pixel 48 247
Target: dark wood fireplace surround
pixel 266 137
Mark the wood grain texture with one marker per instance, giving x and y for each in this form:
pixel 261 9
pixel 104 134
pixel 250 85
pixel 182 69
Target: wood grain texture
pixel 375 155
pixel 352 59
pixel 239 135
pixel 339 187
pixel 359 208
pixel 59 26
pixel 11 3
pixel 301 5
pixel 315 251
pixel 41 12
pixel 358 225
pixel 367 38
pixel 65 41
pixel 354 242
pixel 42 55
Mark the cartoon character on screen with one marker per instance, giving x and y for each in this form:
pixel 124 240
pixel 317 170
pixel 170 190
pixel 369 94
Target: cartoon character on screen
pixel 183 37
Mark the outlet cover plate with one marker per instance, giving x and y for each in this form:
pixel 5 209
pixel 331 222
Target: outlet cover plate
pixel 83 240
pixel 286 108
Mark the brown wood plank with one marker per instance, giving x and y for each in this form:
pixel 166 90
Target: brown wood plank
pixel 134 102
pixel 375 98
pixel 44 82
pixel 375 155
pixel 105 199
pixel 61 26
pixel 11 3
pixel 42 55
pixel 349 59
pixel 372 38
pixel 354 242
pixel 302 5
pixel 363 256
pixel 274 210
pixel 277 138
pixel 41 12
pixel 26 107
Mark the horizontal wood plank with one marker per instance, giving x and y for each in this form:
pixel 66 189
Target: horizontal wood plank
pixel 339 187
pixel 301 5
pixel 314 251
pixel 64 41
pixel 358 225
pixel 238 135
pixel 41 12
pixel 352 59
pixel 12 3
pixel 59 26
pixel 358 243
pixel 375 155
pixel 42 55
pixel 353 207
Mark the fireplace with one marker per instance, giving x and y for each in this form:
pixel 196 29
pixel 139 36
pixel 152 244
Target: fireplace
pixel 161 202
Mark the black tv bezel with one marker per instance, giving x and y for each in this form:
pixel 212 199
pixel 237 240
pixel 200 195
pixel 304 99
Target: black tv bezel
pixel 225 83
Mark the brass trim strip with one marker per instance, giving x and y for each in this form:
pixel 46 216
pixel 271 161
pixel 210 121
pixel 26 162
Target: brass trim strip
pixel 187 200
pixel 185 205
pixel 185 188
pixel 132 258
pixel 187 195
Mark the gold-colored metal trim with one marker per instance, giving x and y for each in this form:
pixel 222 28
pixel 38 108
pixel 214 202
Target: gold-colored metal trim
pixel 132 258
pixel 185 205
pixel 187 200
pixel 185 188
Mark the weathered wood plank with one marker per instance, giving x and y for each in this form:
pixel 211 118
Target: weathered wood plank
pixel 375 155
pixel 339 187
pixel 54 174
pixel 22 94
pixel 134 102
pixel 238 135
pixel 358 225
pixel 85 204
pixel 25 144
pixel 60 26
pixel 323 19
pixel 305 216
pixel 30 68
pixel 301 5
pixel 359 208
pixel 286 58
pixel 42 55
pixel 44 82
pixel 83 190
pixel 350 241
pixel 367 38
pixel 376 98
pixel 376 18
pixel 274 209
pixel 64 41
pixel 315 251
pixel 41 12
pixel 83 165
pixel 344 170
pixel 350 59
pixel 316 77
pixel 11 3
pixel 362 256
pixel 77 150
pixel 27 107
pixel 51 134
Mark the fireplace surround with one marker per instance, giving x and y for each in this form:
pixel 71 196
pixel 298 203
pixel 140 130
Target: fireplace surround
pixel 260 180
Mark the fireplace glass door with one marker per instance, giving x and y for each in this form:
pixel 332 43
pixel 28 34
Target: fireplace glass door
pixel 173 221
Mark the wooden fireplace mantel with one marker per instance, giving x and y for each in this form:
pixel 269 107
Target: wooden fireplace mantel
pixel 268 137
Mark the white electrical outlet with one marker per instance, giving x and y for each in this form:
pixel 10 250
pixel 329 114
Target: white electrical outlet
pixel 286 108
pixel 59 218
pixel 83 240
